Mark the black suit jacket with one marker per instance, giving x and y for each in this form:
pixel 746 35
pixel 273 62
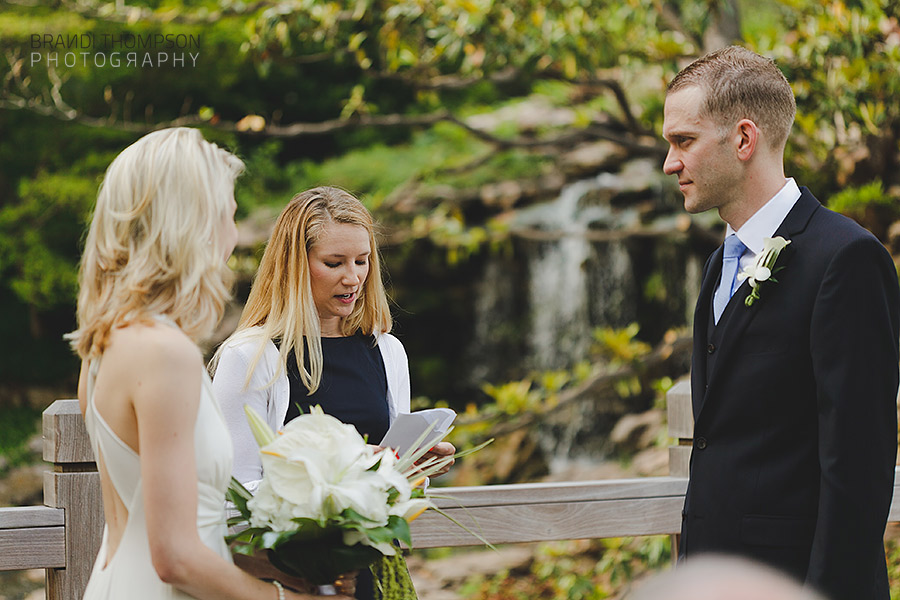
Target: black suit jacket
pixel 795 417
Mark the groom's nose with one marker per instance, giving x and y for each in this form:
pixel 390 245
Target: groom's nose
pixel 672 164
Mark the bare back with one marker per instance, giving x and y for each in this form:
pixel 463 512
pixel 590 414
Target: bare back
pixel 162 450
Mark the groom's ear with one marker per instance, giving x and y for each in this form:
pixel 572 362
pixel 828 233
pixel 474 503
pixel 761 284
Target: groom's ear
pixel 747 137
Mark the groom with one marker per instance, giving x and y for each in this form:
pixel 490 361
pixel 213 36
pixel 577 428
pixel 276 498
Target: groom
pixel 794 391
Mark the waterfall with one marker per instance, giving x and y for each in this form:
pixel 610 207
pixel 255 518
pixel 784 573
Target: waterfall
pixel 570 278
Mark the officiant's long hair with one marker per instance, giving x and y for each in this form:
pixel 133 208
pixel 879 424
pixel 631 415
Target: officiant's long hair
pixel 153 243
pixel 281 302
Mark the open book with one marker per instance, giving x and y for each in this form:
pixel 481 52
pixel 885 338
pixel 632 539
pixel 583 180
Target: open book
pixel 409 427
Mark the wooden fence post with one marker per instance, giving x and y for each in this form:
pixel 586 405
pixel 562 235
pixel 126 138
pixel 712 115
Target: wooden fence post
pixel 680 416
pixel 681 427
pixel 73 485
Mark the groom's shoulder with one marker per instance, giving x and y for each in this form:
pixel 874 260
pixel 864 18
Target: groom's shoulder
pixel 834 229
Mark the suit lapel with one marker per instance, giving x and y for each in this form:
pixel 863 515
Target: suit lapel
pixel 713 271
pixel 737 316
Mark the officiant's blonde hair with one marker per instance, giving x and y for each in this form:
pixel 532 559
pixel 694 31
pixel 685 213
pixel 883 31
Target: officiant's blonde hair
pixel 281 301
pixel 741 84
pixel 153 245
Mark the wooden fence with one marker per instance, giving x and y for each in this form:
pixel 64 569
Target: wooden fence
pixel 63 536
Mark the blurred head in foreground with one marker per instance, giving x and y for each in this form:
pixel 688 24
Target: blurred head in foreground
pixel 722 578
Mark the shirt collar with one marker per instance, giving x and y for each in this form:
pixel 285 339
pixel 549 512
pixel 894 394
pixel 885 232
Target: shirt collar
pixel 765 222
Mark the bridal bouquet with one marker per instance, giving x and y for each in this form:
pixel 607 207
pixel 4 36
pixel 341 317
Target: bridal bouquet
pixel 329 504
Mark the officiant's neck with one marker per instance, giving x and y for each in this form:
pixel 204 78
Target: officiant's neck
pixel 762 179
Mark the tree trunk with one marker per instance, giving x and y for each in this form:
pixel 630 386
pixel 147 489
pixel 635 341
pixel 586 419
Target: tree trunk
pixel 724 26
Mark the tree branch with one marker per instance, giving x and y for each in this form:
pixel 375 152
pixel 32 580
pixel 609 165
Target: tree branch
pixel 668 358
pixel 510 74
pixel 113 12
pixel 60 110
pixel 451 82
pixel 672 19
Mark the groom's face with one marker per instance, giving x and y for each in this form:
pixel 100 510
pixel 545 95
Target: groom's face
pixel 698 155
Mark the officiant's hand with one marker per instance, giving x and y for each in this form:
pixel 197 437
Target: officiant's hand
pixel 440 450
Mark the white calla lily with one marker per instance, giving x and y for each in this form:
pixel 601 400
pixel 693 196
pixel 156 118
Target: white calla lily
pixel 763 266
pixel 775 244
pixel 318 467
pixel 327 493
pixel 762 274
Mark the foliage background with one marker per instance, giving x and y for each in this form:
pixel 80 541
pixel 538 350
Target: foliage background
pixel 374 96
pixel 383 98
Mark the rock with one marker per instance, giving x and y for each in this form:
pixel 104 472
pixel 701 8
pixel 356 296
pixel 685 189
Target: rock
pixel 34 396
pixel 594 157
pixel 893 238
pixel 531 114
pixel 507 194
pixel 503 194
pixel 23 486
pixel 651 462
pixel 256 228
pixel 35 575
pixel 512 458
pixel 436 579
pixel 591 470
pixel 35 446
pixel 226 327
pixel 639 180
pixel 637 431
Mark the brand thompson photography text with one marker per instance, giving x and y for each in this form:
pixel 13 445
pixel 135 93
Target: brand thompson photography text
pixel 151 50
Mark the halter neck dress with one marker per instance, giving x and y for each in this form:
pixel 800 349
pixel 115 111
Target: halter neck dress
pixel 129 573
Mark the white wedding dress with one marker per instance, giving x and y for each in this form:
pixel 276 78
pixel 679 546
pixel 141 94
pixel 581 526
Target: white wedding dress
pixel 129 573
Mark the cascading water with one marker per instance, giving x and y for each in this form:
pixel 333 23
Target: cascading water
pixel 565 270
pixel 568 273
pixel 557 287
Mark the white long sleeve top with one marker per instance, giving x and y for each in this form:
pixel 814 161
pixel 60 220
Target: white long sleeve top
pixel 271 401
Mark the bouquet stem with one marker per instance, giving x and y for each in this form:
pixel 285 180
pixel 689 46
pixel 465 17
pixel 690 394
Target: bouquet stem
pixel 392 580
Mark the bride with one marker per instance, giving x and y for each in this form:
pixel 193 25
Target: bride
pixel 153 281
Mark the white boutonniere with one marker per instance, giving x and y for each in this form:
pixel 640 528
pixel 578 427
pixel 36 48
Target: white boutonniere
pixel 763 268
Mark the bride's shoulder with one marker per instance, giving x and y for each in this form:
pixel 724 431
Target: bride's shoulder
pixel 152 346
pixel 153 365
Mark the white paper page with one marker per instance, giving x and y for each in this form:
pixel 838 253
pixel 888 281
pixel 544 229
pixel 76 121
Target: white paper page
pixel 407 428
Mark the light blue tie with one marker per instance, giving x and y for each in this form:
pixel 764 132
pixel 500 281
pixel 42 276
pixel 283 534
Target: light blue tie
pixel 731 258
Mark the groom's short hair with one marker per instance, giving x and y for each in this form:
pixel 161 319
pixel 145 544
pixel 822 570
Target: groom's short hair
pixel 741 84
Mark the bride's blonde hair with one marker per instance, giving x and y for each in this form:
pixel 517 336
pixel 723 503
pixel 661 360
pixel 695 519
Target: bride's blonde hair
pixel 153 245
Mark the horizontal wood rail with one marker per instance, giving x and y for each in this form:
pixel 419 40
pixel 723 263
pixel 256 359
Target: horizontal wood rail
pixel 63 537
pixel 32 537
pixel 532 512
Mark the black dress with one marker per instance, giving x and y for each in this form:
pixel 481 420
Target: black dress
pixel 353 390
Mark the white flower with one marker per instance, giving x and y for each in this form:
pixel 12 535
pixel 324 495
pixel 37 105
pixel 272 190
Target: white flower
pixel 762 268
pixel 776 244
pixel 348 496
pixel 318 467
pixel 755 273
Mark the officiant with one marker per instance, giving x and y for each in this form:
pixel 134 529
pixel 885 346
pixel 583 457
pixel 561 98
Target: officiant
pixel 315 331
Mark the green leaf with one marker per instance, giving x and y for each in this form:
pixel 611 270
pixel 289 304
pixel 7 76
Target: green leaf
pixel 238 495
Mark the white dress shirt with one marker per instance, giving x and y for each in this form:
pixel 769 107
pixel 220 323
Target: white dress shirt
pixel 766 221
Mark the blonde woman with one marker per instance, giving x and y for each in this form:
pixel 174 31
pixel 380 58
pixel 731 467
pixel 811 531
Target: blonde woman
pixel 315 330
pixel 154 281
